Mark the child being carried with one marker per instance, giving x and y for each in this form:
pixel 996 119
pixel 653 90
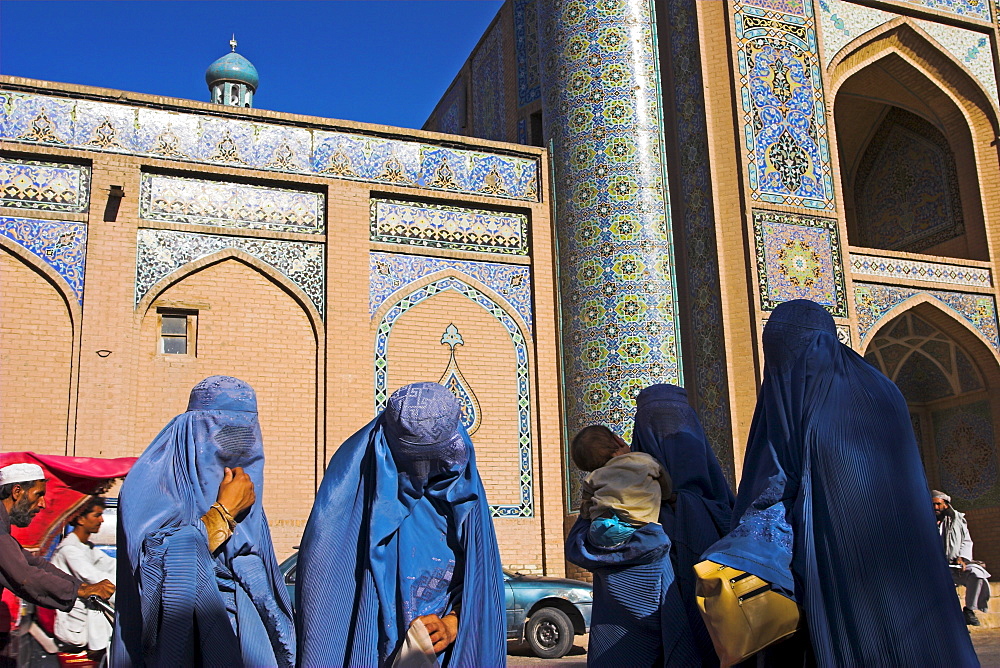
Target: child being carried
pixel 623 489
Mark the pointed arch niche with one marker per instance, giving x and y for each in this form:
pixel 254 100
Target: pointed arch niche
pixel 913 133
pixel 951 382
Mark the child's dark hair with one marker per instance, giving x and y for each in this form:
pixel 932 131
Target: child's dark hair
pixel 593 447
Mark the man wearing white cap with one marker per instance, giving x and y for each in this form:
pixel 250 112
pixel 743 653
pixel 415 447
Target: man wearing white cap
pixel 22 495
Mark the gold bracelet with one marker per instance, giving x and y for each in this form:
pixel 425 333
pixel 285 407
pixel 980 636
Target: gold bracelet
pixel 226 515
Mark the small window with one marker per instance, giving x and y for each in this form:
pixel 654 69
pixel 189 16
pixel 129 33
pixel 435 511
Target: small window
pixel 177 332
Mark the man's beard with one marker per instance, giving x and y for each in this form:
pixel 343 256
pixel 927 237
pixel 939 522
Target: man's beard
pixel 22 513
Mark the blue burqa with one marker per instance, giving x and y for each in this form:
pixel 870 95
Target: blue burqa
pixel 178 604
pixel 832 507
pixel 401 529
pixel 667 428
pixel 638 618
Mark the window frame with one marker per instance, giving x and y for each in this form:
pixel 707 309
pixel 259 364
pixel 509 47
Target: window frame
pixel 190 335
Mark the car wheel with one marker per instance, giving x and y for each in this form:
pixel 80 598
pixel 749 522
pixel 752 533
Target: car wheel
pixel 550 633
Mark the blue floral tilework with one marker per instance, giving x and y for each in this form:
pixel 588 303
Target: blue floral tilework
pixel 197 201
pixel 489 95
pixel 966 454
pixel 29 184
pixel 105 126
pixel 872 301
pixel 799 257
pixel 529 84
pixel 159 253
pixel 389 272
pixel 60 245
pixel 440 226
pixel 976 9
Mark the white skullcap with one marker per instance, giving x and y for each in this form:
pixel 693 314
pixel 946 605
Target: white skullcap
pixel 21 473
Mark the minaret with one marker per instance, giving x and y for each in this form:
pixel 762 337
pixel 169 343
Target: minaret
pixel 232 79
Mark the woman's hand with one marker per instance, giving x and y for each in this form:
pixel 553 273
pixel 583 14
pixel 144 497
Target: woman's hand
pixel 442 630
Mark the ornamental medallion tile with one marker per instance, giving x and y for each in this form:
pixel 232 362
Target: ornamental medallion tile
pixel 439 226
pixel 174 199
pixel 226 142
pixel 29 184
pixel 37 118
pixel 798 257
pixel 167 134
pixel 105 127
pixel 159 253
pixel 281 148
pixel 60 245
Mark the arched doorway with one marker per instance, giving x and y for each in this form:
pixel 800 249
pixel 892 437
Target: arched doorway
pixel 949 380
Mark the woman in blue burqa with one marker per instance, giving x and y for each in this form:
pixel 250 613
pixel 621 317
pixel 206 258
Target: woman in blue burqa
pixel 198 582
pixel 832 508
pixel 667 428
pixel 399 562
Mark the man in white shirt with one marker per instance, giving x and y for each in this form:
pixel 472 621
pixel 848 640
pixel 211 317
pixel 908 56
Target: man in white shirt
pixel 84 629
pixel 965 570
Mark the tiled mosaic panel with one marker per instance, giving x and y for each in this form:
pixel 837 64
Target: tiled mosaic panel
pixel 872 301
pixel 976 9
pixel 60 245
pixel 907 187
pixel 196 201
pixel 798 257
pixel 792 7
pixel 389 272
pixel 529 82
pixel 103 126
pixel 708 363
pixel 525 508
pixel 914 270
pixel 489 113
pixel 601 85
pixel 784 121
pixel 439 226
pixel 451 119
pixel 842 22
pixel 965 441
pixel 159 253
pixel 29 184
pixel 455 381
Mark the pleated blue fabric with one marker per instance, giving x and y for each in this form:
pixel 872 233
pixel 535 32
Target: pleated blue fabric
pixel 667 428
pixel 638 617
pixel 401 528
pixel 833 498
pixel 177 603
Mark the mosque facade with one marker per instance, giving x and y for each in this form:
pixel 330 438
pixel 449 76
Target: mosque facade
pixel 610 194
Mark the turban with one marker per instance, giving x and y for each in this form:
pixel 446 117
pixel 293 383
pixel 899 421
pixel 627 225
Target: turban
pixel 940 495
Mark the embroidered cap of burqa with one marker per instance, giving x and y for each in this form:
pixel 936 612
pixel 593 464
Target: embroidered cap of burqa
pixel 178 604
pixel 667 428
pixel 832 507
pixel 400 529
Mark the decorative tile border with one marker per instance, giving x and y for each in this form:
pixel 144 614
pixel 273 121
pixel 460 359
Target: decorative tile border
pixel 798 257
pixel 60 245
pixel 174 199
pixel 977 9
pixel 391 271
pixel 489 94
pixel 915 270
pixel 603 113
pixel 525 507
pixel 872 301
pixel 103 126
pixel 440 226
pixel 784 117
pixel 51 186
pixel 159 253
pixel 529 83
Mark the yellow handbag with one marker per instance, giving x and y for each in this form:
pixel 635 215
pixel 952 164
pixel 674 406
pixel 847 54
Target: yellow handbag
pixel 743 614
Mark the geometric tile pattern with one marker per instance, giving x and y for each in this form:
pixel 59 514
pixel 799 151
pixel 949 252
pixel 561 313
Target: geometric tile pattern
pixel 161 252
pixel 976 9
pixel 525 505
pixel 60 245
pixel 784 116
pixel 174 199
pixel 872 301
pixel 707 363
pixel 602 111
pixel 966 454
pixel 529 83
pixel 439 226
pixel 914 270
pixel 798 257
pixel 489 113
pixel 390 272
pixel 907 193
pixel 29 184
pixel 103 126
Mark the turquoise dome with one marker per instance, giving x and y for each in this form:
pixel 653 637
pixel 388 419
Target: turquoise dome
pixel 232 67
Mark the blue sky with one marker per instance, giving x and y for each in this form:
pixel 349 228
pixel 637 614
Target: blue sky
pixel 376 61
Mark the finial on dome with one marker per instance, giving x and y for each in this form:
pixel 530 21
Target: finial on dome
pixel 232 42
pixel 232 79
